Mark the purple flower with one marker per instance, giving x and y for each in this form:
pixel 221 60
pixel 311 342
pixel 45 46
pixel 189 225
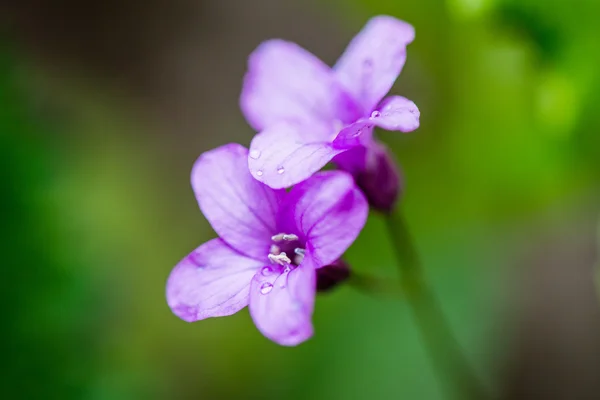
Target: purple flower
pixel 307 113
pixel 271 242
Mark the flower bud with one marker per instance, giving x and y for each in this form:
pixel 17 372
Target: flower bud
pixel 381 180
pixel 331 275
pixel 376 174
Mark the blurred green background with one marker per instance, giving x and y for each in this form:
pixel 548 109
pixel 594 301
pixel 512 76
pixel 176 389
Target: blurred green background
pixel 104 106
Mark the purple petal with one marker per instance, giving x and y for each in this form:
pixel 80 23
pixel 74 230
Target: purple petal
pixel 353 161
pixel 374 59
pixel 281 305
pixel 212 281
pixel 375 172
pixel 282 155
pixel 240 209
pixel 327 211
pixel 396 113
pixel 285 81
pixel 357 134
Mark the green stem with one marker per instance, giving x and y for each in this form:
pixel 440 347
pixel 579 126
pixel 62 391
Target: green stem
pixel 449 362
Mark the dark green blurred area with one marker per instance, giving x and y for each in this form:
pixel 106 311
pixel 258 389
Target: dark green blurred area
pixel 104 110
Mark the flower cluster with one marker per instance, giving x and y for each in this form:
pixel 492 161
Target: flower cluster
pixel 277 247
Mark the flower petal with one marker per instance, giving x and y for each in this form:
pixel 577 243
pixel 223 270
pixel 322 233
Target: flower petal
pixel 354 135
pixel 240 209
pixel 374 59
pixel 281 305
pixel 353 161
pixel 282 155
pixel 212 281
pixel 397 113
pixel 327 212
pixel 285 81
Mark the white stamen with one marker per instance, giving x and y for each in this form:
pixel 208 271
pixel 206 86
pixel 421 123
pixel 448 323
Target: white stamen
pixel 275 250
pixel 284 236
pixel 298 258
pixel 281 259
pixel 299 251
pixel 278 237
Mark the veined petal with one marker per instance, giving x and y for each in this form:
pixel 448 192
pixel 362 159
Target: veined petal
pixel 374 59
pixel 212 281
pixel 282 155
pixel 397 113
pixel 240 209
pixel 281 305
pixel 285 81
pixel 354 135
pixel 328 211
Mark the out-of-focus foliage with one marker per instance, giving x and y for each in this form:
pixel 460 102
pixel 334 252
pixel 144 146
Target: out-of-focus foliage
pixel 47 330
pixel 96 209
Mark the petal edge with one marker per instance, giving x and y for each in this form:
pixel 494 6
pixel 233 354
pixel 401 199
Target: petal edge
pixel 212 281
pixel 373 60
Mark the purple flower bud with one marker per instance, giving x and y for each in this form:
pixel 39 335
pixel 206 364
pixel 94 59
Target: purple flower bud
pixel 332 275
pixel 375 173
pixel 381 180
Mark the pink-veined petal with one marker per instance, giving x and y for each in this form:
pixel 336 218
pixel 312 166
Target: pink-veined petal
pixel 240 209
pixel 327 212
pixel 282 155
pixel 374 59
pixel 285 81
pixel 281 305
pixel 212 281
pixel 396 113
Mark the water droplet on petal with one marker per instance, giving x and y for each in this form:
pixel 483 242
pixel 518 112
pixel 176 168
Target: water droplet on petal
pixel 280 170
pixel 375 114
pixel 266 271
pixel 255 154
pixel 266 288
pixel 368 64
pixel 259 172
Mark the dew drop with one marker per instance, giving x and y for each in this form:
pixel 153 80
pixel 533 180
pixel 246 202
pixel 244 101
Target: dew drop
pixel 280 170
pixel 259 172
pixel 266 288
pixel 375 114
pixel 266 271
pixel 368 63
pixel 255 154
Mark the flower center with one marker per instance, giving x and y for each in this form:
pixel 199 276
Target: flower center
pixel 286 250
